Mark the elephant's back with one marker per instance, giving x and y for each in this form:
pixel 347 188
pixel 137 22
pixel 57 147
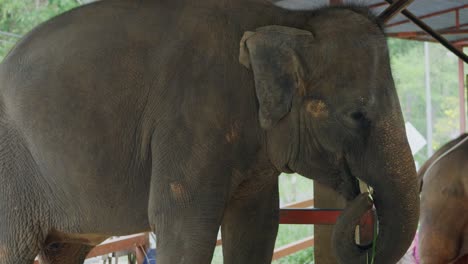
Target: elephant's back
pixel 75 88
pixel 446 171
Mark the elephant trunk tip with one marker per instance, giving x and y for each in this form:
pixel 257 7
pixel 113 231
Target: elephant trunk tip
pixel 389 239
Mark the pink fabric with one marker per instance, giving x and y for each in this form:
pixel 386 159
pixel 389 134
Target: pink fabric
pixel 412 255
pixel 415 245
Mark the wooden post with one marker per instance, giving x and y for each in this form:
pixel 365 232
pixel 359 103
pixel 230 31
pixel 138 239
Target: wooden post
pixel 325 197
pixel 140 254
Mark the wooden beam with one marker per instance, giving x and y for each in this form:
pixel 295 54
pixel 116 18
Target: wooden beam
pixel 410 34
pixel 301 204
pixel 309 216
pixel 441 12
pixel 325 197
pixel 292 248
pixel 129 243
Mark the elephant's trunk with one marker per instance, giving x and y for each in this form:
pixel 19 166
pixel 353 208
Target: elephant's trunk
pixel 389 168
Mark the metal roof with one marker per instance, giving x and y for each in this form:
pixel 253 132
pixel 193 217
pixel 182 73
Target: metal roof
pixel 448 17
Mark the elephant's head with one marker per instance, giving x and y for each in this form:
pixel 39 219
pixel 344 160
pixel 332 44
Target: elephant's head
pixel 328 105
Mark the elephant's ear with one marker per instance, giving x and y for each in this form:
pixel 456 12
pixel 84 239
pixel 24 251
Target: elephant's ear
pixel 271 53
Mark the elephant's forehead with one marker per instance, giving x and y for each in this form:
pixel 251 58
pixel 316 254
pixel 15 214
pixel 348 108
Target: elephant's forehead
pixel 357 73
pixel 343 20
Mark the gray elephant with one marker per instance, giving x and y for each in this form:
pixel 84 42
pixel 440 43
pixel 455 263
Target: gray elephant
pixel 444 182
pixel 128 116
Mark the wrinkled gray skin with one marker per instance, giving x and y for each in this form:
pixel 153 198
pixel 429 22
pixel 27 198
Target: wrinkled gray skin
pixel 128 116
pixel 444 225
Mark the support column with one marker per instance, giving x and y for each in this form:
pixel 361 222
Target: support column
pixel 428 99
pixel 140 254
pixel 461 94
pixel 325 197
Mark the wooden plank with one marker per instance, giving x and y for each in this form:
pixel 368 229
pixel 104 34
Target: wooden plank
pixel 129 243
pixel 325 198
pixel 293 248
pixel 140 252
pixel 301 204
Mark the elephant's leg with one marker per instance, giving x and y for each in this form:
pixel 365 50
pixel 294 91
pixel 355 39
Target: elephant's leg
pixel 64 253
pixel 17 250
pixel 186 233
pixel 20 231
pixel 442 229
pixel 250 225
pixel 187 199
pixel 20 238
pixel 437 247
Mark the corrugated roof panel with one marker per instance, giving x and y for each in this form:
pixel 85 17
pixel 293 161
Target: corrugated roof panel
pixel 438 14
pixel 464 16
pixel 426 8
pixel 437 22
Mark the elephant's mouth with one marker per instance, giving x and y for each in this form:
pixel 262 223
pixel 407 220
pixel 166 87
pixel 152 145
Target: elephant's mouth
pixel 287 169
pixel 349 186
pixel 365 228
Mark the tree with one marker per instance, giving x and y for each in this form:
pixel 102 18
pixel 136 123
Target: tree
pixel 20 16
pixel 407 60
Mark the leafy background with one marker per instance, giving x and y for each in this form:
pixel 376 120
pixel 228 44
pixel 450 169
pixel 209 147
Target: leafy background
pixel 17 17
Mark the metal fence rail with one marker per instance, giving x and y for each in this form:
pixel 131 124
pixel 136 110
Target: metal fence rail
pixel 295 213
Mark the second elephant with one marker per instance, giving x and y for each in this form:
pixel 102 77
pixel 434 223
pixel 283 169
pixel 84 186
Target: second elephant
pixel 443 235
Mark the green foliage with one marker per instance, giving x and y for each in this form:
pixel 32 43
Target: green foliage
pixel 407 59
pixel 292 233
pixel 20 16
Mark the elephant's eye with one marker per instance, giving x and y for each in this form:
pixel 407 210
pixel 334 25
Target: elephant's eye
pixel 358 116
pixel 359 119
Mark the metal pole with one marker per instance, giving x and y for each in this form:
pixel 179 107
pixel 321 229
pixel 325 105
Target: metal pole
pixel 434 34
pixel 394 9
pixel 428 100
pixel 461 95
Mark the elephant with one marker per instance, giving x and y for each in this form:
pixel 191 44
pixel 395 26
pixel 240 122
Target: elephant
pixel 177 117
pixel 443 226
